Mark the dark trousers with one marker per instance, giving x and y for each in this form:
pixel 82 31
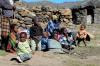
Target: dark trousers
pixel 4 42
pixel 81 39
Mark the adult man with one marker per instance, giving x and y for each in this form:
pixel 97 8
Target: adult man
pixel 7 14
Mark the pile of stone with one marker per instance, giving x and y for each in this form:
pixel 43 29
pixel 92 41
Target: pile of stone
pixel 25 15
pixel 67 15
pixel 22 15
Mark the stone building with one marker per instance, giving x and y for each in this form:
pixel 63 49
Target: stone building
pixel 87 12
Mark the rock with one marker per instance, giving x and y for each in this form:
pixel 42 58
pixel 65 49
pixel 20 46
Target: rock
pixel 15 21
pixel 18 24
pixel 88 19
pixel 26 13
pixel 97 16
pixel 28 26
pixel 27 19
pixel 21 22
pixel 67 13
pixel 36 8
pixel 28 23
pixel 20 4
pixel 31 15
pixel 17 16
pixel 19 8
pixel 23 13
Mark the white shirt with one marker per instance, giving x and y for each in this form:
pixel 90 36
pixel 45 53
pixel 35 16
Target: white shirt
pixel 11 2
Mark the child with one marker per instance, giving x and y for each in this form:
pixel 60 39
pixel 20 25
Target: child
pixel 82 35
pixel 44 41
pixel 54 45
pixel 11 47
pixel 66 39
pixel 24 51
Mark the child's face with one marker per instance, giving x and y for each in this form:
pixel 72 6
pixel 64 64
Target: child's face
pixel 65 30
pixel 45 34
pixel 16 29
pixel 82 27
pixel 55 37
pixel 23 38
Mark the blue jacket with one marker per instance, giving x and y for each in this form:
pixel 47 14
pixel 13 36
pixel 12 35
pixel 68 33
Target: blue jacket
pixel 52 26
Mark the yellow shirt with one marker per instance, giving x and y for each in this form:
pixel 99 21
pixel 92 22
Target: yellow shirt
pixel 23 47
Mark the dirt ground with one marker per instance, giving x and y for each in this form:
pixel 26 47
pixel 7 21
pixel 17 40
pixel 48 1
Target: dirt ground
pixel 81 56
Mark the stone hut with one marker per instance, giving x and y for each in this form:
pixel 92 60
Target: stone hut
pixel 87 12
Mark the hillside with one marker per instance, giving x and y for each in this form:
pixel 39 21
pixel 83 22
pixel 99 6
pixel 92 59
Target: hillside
pixel 53 5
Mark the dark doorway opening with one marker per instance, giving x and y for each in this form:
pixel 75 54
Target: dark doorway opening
pixel 90 11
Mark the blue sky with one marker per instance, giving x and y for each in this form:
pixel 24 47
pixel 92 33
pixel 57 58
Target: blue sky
pixel 54 1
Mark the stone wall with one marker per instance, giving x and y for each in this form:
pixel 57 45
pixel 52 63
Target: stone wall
pixel 97 15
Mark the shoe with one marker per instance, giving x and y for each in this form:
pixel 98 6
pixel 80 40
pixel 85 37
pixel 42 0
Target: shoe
pixel 19 60
pixel 15 59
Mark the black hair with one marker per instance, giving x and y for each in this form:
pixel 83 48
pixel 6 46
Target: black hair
pixel 12 26
pixel 25 34
pixel 82 25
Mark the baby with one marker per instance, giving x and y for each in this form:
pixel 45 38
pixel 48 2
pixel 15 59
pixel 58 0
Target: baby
pixel 82 35
pixel 24 51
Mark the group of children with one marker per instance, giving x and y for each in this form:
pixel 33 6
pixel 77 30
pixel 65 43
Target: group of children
pixel 61 39
pixel 25 42
pixel 20 41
